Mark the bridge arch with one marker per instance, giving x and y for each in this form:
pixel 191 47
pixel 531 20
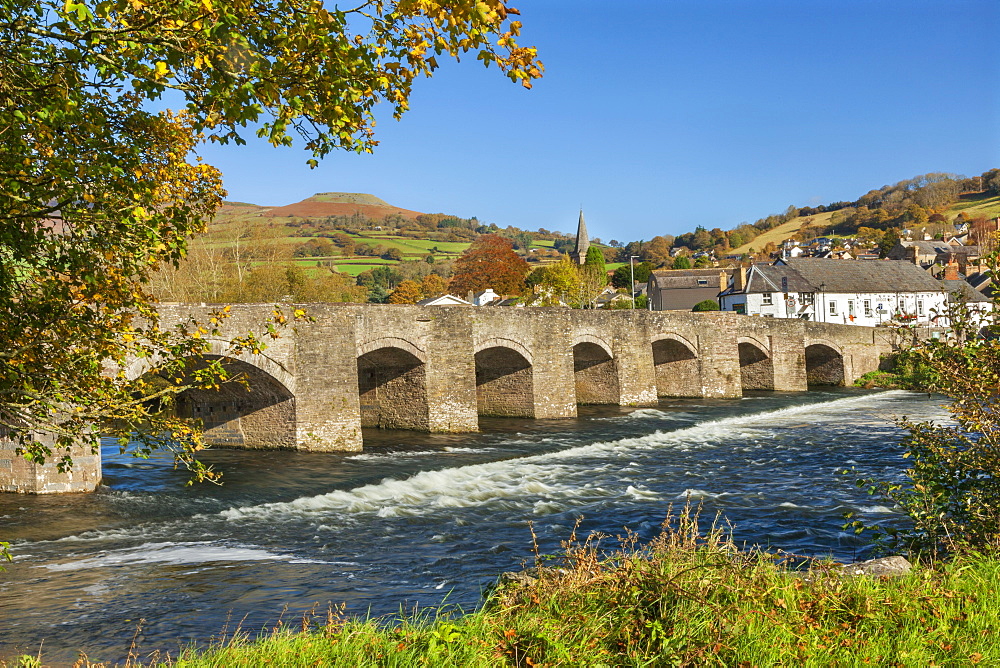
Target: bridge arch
pixel 824 363
pixel 756 366
pixel 253 410
pixel 392 385
pixel 504 379
pixel 221 349
pixel 393 342
pixel 595 371
pixel 677 365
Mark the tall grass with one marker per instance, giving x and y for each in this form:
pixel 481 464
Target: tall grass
pixel 686 598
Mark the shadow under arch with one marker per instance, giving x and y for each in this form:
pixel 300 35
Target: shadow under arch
pixel 504 380
pixel 824 364
pixel 253 410
pixel 756 367
pixel 595 372
pixel 678 369
pixel 392 387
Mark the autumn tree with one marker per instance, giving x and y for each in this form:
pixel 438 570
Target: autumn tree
pixel 407 292
pixel 490 262
pixel 557 283
pixel 98 191
pixel 433 285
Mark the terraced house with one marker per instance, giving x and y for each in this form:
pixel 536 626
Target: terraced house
pixel 851 292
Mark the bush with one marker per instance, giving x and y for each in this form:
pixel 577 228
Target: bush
pixel 706 305
pixel 952 491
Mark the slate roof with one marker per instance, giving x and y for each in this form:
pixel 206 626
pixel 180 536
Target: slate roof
pixel 863 276
pixel 687 278
pixel 958 288
pixel 808 274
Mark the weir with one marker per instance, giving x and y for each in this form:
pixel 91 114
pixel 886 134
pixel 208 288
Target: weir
pixel 437 369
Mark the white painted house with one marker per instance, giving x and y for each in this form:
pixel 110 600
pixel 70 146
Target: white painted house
pixel 853 292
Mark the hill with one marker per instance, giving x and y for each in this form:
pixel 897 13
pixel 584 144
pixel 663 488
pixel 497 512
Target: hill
pixel 781 232
pixel 322 205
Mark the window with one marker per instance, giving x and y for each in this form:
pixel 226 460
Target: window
pixel 867 304
pixel 833 307
pixel 920 307
pixel 850 307
pixel 767 299
pixel 808 298
pixel 740 308
pixel 702 281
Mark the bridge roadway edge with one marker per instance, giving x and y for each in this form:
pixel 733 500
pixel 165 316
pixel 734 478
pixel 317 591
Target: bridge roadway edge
pixel 317 362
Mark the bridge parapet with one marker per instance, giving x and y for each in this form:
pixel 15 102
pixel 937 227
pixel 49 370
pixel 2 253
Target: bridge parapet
pixel 438 369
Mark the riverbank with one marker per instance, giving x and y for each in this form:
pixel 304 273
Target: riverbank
pixel 422 519
pixel 685 598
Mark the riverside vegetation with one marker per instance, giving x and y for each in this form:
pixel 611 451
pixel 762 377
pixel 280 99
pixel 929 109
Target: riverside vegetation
pixel 693 597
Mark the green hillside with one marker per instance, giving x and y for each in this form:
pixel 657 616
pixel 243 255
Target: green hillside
pixel 349 198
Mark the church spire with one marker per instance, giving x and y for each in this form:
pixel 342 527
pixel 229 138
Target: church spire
pixel 579 254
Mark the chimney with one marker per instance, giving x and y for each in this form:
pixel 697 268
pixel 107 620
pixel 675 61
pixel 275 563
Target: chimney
pixel 740 279
pixel 911 254
pixel 723 281
pixel 963 264
pixel 951 269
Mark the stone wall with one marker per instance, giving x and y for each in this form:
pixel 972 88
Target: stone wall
pixel 19 475
pixel 437 369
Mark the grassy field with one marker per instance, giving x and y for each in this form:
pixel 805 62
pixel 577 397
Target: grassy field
pixel 975 206
pixel 781 232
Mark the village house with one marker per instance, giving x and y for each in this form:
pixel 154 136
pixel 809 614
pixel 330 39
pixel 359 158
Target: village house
pixel 681 289
pixel 444 300
pixel 841 291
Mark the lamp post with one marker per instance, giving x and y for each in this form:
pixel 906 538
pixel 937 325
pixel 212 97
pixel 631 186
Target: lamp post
pixel 631 271
pixel 822 307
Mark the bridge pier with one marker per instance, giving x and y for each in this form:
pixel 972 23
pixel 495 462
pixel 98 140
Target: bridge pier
pixel 19 475
pixel 451 373
pixel 630 337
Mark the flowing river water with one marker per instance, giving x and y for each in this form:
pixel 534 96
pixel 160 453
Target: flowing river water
pixel 419 519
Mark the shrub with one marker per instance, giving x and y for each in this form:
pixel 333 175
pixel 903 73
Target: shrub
pixel 706 305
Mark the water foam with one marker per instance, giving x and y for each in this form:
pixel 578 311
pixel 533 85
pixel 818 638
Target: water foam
pixel 176 553
pixel 521 483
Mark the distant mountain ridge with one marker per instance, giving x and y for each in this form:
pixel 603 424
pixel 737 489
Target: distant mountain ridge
pixel 322 205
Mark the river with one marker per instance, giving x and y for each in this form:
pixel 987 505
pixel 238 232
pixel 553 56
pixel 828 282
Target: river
pixel 419 519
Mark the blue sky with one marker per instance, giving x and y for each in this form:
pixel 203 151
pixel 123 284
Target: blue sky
pixel 658 116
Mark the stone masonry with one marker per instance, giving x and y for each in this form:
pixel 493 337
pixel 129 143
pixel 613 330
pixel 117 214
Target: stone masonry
pixel 437 369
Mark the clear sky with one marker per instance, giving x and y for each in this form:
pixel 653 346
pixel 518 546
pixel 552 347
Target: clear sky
pixel 657 116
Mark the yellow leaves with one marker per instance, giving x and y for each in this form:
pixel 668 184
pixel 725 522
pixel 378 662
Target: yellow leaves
pixel 161 70
pixel 207 4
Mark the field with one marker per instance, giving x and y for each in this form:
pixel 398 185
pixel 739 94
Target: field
pixel 975 205
pixel 781 232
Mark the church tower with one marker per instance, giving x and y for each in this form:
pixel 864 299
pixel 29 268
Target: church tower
pixel 579 254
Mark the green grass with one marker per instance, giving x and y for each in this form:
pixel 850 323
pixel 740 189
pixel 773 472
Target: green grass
pixel 781 232
pixel 686 598
pixel 975 206
pixel 355 268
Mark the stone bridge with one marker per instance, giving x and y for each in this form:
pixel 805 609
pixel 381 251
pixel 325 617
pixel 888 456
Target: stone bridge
pixel 437 369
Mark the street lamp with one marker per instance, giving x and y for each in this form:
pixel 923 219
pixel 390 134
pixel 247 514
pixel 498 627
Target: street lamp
pixel 822 307
pixel 631 271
